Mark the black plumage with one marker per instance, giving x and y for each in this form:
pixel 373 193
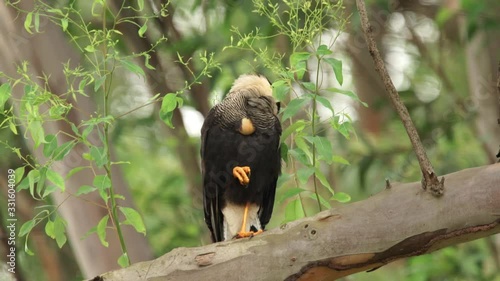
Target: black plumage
pixel 241 131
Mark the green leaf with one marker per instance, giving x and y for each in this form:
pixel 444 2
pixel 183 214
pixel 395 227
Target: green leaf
pixel 88 233
pixel 299 155
pixel 301 144
pixel 347 93
pixel 48 190
pixel 98 82
pixel 147 57
pixel 37 22
pixel 74 171
pixel 63 150
pixel 133 67
pixel 324 148
pixel 143 29
pixel 27 227
pixel 294 210
pixel 322 200
pixel 140 4
pixel 322 179
pixel 50 145
pixel 133 218
pixel 5 93
pixel 168 106
pixel 60 231
pixel 37 133
pixel 102 182
pixel 41 182
pixel 99 155
pixel 304 174
pixel 284 152
pixel 291 192
pixel 298 57
pixel 293 107
pixel 101 230
pixel 27 22
pixel 64 24
pixel 337 68
pixel 56 179
pixel 49 229
pixel 340 159
pixel 298 61
pixel 86 132
pixel 57 111
pixel 19 173
pixel 27 249
pixel 341 197
pixel 169 102
pixel 297 126
pixel 123 260
pixel 84 189
pixel 90 48
pixel 33 178
pixel 323 50
pixel 326 103
pixel 344 128
pixel 309 86
pixel 12 127
pixel 24 184
pixel 55 11
pixel 75 129
pixel 281 89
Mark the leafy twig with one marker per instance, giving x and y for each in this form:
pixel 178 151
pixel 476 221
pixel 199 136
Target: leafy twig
pixel 429 180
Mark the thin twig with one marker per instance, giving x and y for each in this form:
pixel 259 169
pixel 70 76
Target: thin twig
pixel 429 180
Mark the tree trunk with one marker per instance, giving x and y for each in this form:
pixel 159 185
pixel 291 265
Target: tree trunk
pixel 482 61
pixel 401 221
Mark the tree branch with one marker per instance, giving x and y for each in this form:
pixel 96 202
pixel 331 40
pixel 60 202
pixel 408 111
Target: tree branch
pixel 396 223
pixel 498 92
pixel 430 179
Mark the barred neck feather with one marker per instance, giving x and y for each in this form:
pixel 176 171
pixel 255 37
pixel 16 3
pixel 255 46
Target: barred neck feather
pixel 249 97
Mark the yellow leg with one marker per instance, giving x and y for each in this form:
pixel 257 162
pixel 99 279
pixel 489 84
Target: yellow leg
pixel 243 233
pixel 242 173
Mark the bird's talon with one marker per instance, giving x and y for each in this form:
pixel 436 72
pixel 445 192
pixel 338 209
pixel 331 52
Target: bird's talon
pixel 245 234
pixel 242 173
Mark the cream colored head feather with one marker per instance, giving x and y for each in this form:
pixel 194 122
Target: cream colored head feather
pixel 257 83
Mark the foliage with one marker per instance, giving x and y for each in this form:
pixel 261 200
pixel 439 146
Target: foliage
pixel 102 56
pixel 304 143
pixel 309 73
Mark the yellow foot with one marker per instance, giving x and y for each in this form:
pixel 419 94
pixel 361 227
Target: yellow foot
pixel 244 234
pixel 242 173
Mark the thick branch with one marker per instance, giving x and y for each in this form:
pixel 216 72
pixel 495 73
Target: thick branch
pixel 399 222
pixel 430 179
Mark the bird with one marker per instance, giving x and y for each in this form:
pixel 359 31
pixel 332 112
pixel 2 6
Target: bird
pixel 241 162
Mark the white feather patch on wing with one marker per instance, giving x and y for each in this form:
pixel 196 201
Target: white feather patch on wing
pixel 233 219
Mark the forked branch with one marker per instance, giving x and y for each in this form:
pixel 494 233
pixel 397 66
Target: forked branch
pixel 430 180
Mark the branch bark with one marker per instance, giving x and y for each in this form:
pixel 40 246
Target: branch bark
pixel 430 180
pixel 401 221
pixel 498 92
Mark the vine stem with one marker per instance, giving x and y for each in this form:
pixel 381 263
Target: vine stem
pixel 107 166
pixel 430 180
pixel 313 129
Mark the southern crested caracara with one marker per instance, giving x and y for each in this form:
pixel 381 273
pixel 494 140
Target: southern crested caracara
pixel 241 160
